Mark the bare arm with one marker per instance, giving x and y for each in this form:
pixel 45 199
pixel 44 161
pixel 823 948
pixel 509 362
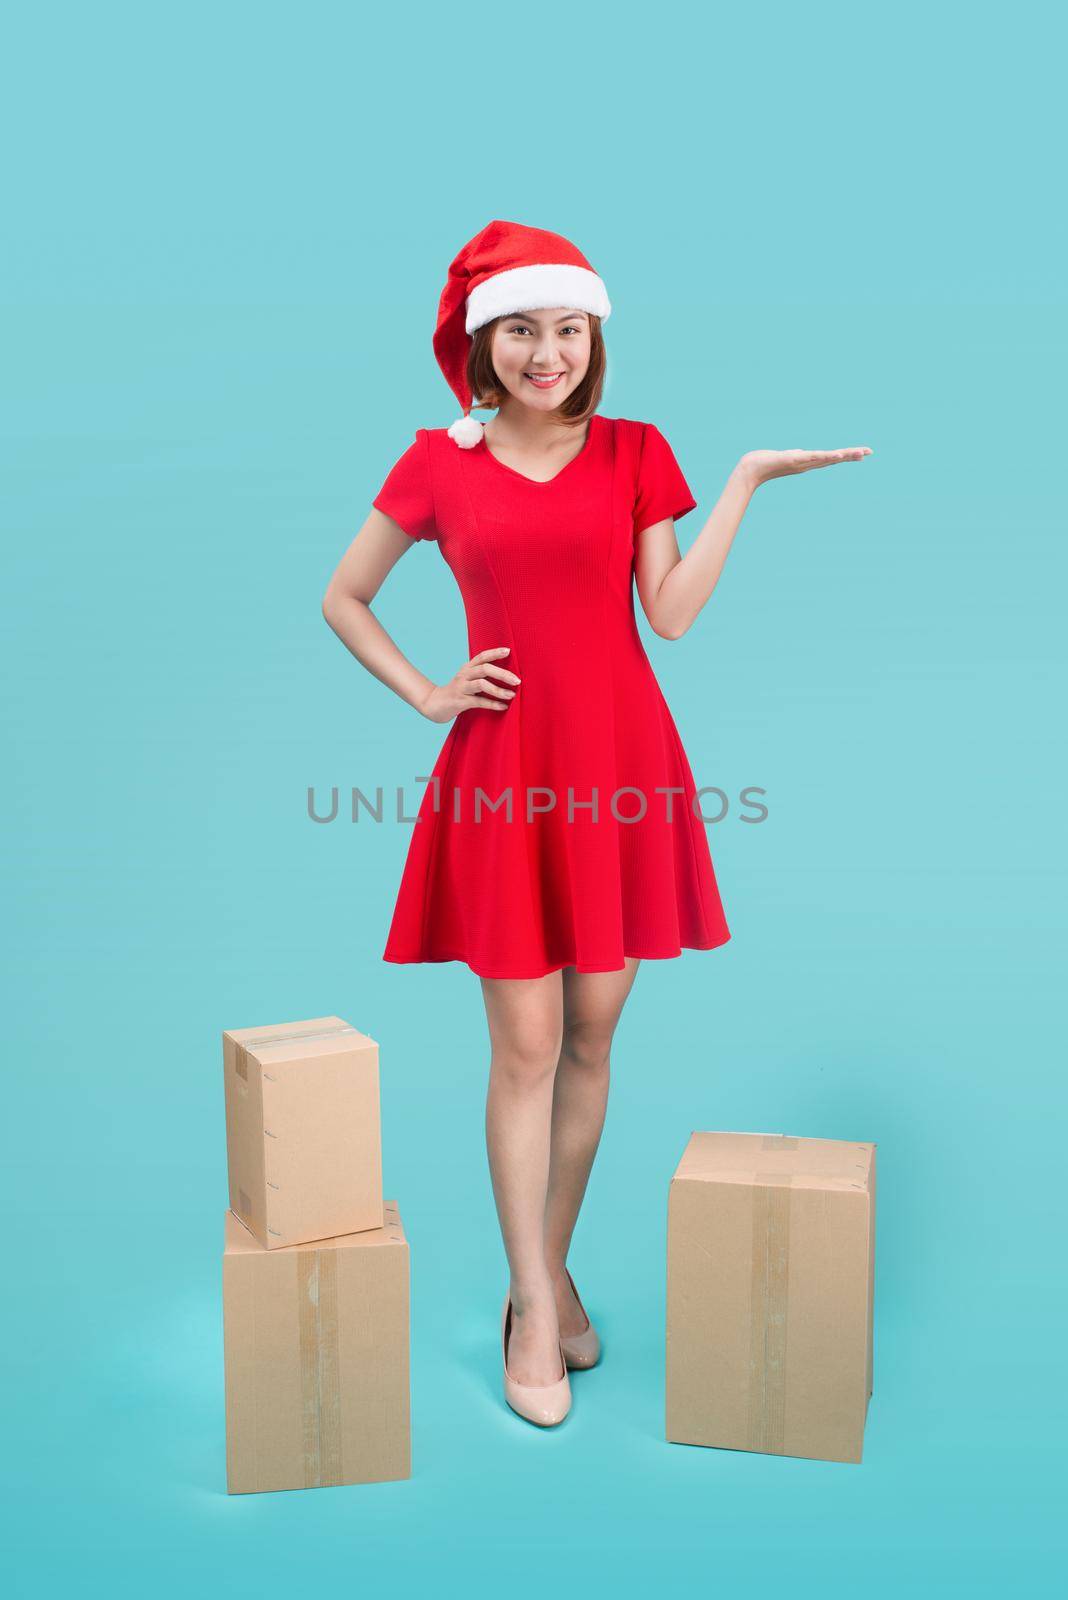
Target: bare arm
pixel 673 587
pixel 360 574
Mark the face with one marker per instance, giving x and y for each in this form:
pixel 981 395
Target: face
pixel 542 356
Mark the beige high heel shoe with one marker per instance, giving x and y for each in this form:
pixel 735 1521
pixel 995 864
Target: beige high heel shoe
pixel 546 1404
pixel 581 1349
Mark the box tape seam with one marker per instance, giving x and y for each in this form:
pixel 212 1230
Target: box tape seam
pixel 769 1308
pixel 286 1038
pixel 319 1367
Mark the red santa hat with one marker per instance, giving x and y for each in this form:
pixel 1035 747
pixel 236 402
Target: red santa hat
pixel 506 268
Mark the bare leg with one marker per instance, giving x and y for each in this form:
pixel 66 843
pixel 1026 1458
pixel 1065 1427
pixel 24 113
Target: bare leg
pixel 593 1002
pixel 525 1017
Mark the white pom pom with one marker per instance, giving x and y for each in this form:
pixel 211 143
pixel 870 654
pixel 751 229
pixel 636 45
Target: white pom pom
pixel 467 431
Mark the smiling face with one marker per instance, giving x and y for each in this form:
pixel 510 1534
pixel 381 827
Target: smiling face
pixel 542 356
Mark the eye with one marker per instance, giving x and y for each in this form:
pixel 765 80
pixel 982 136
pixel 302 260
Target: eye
pixel 524 327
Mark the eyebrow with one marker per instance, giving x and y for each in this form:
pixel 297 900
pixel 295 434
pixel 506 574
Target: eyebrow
pixel 529 316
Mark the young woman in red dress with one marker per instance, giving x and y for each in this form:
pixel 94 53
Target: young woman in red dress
pixel 560 841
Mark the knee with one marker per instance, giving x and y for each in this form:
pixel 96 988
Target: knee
pixel 529 1058
pixel 587 1045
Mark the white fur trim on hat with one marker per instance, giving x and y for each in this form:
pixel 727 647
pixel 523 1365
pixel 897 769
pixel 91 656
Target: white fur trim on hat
pixel 528 288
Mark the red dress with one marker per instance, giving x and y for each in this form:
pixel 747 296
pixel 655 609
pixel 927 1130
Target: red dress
pixel 545 838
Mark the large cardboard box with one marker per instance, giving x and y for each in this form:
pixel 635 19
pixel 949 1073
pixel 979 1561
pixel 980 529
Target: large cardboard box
pixel 303 1130
pixel 316 1342
pixel 770 1294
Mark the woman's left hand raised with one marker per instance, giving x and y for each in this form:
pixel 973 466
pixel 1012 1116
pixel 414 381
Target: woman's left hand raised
pixel 757 466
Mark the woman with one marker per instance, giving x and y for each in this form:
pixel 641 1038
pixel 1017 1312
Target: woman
pixel 560 841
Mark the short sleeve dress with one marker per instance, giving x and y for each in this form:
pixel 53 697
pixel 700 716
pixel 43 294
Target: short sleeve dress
pixel 566 829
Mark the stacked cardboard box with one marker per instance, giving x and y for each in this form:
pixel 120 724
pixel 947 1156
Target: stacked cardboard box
pixel 770 1294
pixel 315 1265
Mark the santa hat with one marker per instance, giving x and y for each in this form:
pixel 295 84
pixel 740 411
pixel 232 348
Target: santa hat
pixel 506 268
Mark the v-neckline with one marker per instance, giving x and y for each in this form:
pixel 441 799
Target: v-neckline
pixel 543 483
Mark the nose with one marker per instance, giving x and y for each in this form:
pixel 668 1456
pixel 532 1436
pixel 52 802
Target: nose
pixel 546 359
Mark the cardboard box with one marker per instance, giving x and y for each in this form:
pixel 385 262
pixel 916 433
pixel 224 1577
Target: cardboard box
pixel 316 1359
pixel 303 1130
pixel 770 1294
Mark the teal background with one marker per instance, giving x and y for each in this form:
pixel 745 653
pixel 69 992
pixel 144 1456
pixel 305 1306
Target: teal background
pixel 228 227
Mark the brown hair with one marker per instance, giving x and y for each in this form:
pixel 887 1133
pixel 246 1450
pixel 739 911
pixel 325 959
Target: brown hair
pixel 489 393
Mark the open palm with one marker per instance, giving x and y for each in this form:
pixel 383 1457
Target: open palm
pixel 760 465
